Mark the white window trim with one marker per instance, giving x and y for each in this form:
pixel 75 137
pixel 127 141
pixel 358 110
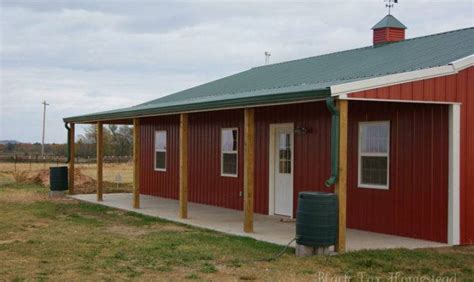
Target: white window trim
pixel 360 154
pixel 165 150
pixel 230 152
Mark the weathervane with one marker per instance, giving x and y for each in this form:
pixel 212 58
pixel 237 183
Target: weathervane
pixel 389 4
pixel 267 57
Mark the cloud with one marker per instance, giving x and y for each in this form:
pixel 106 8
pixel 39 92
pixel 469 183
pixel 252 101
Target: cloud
pixel 86 56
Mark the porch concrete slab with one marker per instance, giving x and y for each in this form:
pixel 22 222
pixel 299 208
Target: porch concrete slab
pixel 273 229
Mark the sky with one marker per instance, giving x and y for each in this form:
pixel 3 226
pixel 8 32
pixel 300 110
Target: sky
pixel 88 56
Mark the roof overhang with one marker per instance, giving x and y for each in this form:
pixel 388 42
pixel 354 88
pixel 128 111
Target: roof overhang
pixel 252 101
pixel 341 90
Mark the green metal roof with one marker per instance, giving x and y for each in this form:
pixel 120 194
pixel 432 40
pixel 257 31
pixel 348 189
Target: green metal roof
pixel 304 79
pixel 389 21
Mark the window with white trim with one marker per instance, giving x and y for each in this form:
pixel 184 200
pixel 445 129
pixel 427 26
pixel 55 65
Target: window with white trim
pixel 160 150
pixel 229 152
pixel 374 152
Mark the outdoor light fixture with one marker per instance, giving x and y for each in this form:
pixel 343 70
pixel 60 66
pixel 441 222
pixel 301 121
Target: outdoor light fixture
pixel 302 130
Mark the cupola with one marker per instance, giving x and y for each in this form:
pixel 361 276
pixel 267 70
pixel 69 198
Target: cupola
pixel 388 30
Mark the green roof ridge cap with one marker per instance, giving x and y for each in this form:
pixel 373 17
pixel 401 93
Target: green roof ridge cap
pixel 360 48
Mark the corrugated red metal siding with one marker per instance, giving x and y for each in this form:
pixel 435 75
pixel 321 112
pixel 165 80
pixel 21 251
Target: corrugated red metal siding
pixel 439 89
pixel 416 203
pixel 451 88
pixel 465 93
pixel 206 185
pixel 311 151
pixel 159 183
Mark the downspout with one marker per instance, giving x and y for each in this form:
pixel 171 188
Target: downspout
pixel 334 142
pixel 68 157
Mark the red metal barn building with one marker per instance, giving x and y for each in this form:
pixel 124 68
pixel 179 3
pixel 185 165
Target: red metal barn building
pixel 403 163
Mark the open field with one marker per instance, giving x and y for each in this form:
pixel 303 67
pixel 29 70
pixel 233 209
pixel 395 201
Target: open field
pixel 63 239
pixel 86 174
pixel 110 169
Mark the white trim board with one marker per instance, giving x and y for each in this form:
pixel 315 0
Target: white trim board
pixel 454 209
pixel 392 79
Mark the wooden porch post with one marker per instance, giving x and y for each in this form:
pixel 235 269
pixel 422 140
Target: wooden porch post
pixel 72 148
pixel 183 166
pixel 341 185
pixel 136 163
pixel 249 149
pixel 100 157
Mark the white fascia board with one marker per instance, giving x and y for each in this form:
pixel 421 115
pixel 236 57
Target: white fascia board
pixel 463 63
pixel 387 80
pixel 344 97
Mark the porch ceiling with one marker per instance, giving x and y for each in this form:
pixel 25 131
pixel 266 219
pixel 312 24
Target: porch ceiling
pixel 267 228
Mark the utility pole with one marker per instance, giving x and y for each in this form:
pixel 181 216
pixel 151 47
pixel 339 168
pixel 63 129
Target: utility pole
pixel 44 125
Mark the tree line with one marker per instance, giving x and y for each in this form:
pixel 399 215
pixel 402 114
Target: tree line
pixel 118 141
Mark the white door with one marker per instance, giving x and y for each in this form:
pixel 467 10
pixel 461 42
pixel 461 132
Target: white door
pixel 283 170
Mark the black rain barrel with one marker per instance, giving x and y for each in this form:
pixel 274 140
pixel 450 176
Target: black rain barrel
pixel 58 178
pixel 316 219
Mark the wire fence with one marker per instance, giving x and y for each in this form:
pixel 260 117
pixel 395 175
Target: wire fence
pixel 15 162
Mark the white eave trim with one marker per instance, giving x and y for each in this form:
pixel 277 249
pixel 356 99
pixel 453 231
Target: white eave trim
pixel 343 89
pixel 463 63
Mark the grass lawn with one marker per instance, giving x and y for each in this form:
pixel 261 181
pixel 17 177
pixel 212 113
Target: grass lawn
pixel 64 239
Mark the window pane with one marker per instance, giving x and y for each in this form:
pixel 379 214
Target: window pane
pixel 374 137
pixel 284 166
pixel 374 170
pixel 229 140
pixel 284 153
pixel 229 165
pixel 160 158
pixel 285 141
pixel 160 140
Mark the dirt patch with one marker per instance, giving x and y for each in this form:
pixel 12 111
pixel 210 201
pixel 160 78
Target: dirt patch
pixel 6 178
pixel 41 177
pixel 83 184
pixel 137 231
pixel 4 242
pixel 35 177
pixel 467 249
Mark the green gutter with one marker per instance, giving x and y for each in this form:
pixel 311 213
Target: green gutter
pixel 334 142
